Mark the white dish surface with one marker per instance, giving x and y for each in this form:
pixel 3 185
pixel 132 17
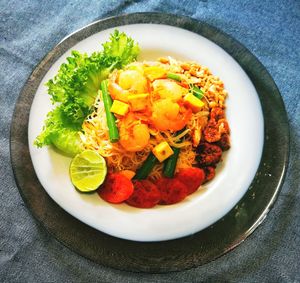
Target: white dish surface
pixel 201 209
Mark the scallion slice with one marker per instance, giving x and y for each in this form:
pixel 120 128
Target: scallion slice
pixel 174 77
pixel 110 117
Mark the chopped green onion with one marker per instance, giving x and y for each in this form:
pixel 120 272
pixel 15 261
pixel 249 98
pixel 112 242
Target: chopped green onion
pixel 110 117
pixel 170 163
pixel 174 77
pixel 146 168
pixel 197 91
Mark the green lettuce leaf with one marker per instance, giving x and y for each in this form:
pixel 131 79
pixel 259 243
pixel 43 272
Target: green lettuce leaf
pixel 74 89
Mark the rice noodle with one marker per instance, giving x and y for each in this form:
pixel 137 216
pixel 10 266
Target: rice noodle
pixel 95 131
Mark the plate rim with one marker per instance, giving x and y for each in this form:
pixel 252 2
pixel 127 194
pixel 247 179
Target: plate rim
pixel 185 23
pixel 210 201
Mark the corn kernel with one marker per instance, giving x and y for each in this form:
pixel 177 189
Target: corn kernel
pixel 119 107
pixel 155 72
pixel 193 102
pixel 162 151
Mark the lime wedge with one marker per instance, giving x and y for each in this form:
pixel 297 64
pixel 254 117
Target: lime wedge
pixel 88 171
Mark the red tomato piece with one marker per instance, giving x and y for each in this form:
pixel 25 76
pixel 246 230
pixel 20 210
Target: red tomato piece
pixel 145 194
pixel 192 177
pixel 171 190
pixel 116 188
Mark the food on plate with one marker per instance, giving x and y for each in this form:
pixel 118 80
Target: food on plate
pixel 74 88
pixel 160 126
pixel 116 188
pixel 145 195
pixel 172 190
pixel 191 177
pixel 88 171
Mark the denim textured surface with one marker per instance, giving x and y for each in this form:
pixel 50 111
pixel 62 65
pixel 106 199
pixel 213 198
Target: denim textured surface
pixel 30 29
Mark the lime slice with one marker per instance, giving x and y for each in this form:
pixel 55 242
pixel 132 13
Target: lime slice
pixel 88 170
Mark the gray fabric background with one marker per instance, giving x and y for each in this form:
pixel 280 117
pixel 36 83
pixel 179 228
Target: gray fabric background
pixel 30 29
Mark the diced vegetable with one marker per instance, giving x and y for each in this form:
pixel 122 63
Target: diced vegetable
pixel 119 107
pixel 154 73
pixel 162 151
pixel 174 77
pixel 138 101
pixel 110 117
pixel 146 168
pixel 193 102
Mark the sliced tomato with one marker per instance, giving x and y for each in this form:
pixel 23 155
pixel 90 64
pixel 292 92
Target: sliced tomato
pixel 172 190
pixel 192 177
pixel 145 194
pixel 116 188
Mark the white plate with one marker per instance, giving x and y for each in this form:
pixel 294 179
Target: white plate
pixel 200 209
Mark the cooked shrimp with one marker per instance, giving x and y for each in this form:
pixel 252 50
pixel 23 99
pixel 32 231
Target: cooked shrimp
pixel 123 83
pixel 134 136
pixel 169 89
pixel 115 90
pixel 168 115
pixel 133 81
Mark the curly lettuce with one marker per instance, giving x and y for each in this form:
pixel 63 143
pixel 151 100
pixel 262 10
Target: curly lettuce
pixel 74 89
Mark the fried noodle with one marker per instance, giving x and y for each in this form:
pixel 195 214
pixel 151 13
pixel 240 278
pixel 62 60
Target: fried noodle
pixel 95 131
